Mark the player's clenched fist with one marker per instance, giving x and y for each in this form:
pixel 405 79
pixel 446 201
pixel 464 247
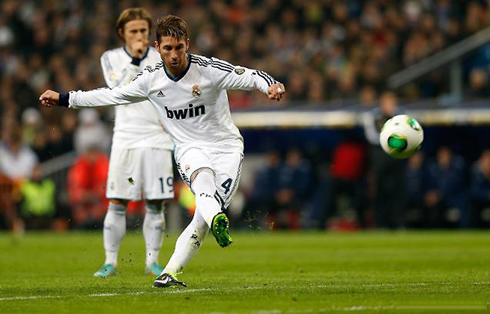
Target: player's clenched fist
pixel 276 90
pixel 49 98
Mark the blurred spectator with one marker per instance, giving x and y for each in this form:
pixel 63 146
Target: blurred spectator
pixel 367 96
pixel 294 178
pixel 347 179
pixel 87 180
pixel 446 199
pixel 8 214
pixel 38 198
pixel 91 132
pixel 31 124
pixel 17 160
pixel 261 203
pixel 386 175
pixel 479 87
pixel 416 179
pixel 68 127
pixel 480 192
pixel 54 141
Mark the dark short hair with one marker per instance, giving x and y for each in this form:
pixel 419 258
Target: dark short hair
pixel 132 14
pixel 171 26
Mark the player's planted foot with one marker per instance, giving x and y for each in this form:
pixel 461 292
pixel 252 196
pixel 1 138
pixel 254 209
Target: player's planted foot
pixel 220 229
pixel 154 269
pixel 167 280
pixel 105 271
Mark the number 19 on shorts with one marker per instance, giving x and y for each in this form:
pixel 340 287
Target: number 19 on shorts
pixel 166 184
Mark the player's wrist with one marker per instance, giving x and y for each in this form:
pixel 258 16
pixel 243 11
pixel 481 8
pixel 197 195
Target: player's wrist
pixel 64 100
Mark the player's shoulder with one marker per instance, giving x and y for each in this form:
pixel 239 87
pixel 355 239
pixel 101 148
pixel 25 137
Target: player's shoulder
pixel 113 53
pixel 154 68
pixel 152 52
pixel 150 70
pixel 211 63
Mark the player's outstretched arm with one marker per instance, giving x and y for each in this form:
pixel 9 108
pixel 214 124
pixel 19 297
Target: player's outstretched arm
pixel 134 92
pixel 227 76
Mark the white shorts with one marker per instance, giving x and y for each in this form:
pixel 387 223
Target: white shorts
pixel 140 173
pixel 226 167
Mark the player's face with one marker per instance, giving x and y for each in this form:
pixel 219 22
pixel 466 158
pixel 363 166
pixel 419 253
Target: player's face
pixel 136 31
pixel 174 53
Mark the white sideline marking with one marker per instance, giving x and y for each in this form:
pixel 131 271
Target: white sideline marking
pixel 31 297
pixel 355 308
pixel 362 308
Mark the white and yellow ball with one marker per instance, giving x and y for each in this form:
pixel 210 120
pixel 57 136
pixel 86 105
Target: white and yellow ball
pixel 401 136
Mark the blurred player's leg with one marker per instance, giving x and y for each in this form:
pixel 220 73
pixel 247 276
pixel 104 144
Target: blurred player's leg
pixel 114 230
pixel 153 231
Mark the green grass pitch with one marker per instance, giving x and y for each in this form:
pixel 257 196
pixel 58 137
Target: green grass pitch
pixel 263 273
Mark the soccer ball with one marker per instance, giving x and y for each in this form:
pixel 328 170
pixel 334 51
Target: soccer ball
pixel 401 136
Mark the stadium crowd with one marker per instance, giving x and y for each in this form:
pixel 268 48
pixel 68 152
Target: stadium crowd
pixel 324 51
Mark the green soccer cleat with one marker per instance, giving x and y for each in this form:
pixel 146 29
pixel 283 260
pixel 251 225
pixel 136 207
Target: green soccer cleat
pixel 167 280
pixel 220 229
pixel 154 269
pixel 105 271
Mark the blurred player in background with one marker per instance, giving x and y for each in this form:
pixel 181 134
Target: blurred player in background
pixel 141 155
pixel 386 173
pixel 189 93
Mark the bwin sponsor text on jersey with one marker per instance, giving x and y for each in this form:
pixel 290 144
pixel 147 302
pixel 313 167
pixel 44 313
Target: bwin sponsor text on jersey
pixel 190 112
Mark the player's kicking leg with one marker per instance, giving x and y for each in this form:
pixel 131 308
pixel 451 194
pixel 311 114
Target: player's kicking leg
pixel 208 216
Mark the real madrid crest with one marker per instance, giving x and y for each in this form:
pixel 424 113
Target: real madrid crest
pixel 239 71
pixel 196 92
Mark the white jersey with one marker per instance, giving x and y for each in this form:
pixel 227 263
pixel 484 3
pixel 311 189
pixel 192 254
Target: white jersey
pixel 193 107
pixel 136 125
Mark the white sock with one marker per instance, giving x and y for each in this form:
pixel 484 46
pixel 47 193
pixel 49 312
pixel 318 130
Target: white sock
pixel 153 231
pixel 190 240
pixel 114 230
pixel 188 244
pixel 204 187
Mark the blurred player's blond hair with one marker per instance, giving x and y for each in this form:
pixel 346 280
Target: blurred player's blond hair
pixel 129 15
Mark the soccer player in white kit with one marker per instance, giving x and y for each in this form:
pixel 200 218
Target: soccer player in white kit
pixel 141 155
pixel 189 94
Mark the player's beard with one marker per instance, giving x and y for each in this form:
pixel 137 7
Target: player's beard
pixel 178 66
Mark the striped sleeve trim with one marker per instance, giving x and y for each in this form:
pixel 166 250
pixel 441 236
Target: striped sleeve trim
pixel 266 79
pixel 220 65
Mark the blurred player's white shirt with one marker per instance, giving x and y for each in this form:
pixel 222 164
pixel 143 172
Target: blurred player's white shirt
pixel 193 107
pixel 136 125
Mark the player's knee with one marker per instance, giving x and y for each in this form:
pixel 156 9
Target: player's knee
pixel 121 202
pixel 202 176
pixel 154 207
pixel 118 208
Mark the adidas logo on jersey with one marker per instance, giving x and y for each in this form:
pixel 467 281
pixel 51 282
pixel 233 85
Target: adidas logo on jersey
pixel 190 112
pixel 160 94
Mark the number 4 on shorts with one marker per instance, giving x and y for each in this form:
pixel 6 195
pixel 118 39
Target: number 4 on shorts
pixel 227 185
